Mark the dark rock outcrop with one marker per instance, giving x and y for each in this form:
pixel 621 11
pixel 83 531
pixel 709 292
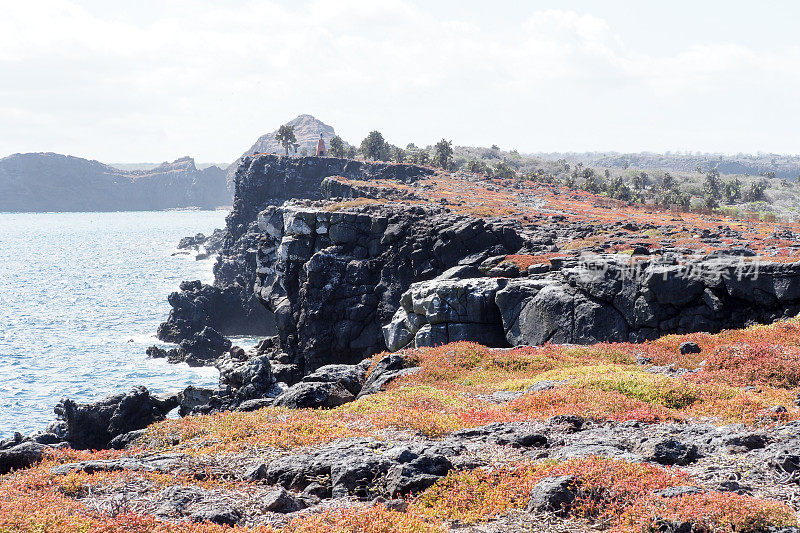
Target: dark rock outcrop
pixel 363 467
pixel 349 377
pixel 94 425
pixel 54 182
pixel 20 456
pixel 282 501
pixel 120 442
pixel 689 347
pixel 225 310
pixel 201 349
pixel 211 244
pixel 387 370
pixel 307 132
pixel 553 494
pixel 314 395
pixel 333 278
pixel 595 300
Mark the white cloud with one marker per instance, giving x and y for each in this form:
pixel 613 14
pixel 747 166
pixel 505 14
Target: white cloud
pixel 206 78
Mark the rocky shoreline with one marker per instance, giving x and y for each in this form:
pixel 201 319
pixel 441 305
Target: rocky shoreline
pixel 346 282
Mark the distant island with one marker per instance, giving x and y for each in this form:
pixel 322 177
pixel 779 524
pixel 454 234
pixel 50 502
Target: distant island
pixel 36 182
pixel 53 182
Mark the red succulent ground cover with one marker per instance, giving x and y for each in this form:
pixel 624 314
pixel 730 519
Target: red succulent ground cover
pixel 534 203
pixel 619 496
pixel 602 382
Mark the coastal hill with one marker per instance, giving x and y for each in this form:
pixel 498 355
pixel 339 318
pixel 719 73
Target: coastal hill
pixel 307 131
pixel 55 182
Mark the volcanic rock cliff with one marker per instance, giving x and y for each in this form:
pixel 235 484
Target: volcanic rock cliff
pixel 333 278
pixel 229 306
pixel 338 281
pixel 54 182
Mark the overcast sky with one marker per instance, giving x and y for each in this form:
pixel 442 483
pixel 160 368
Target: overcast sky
pixel 135 81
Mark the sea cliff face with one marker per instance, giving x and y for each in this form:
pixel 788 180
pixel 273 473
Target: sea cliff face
pixel 338 280
pixel 333 278
pixel 261 181
pixel 55 182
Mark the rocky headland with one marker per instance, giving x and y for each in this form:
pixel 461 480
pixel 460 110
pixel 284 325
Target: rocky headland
pixel 450 352
pixel 53 182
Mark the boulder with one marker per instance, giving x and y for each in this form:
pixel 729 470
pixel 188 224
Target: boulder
pixel 217 513
pixel 669 451
pixel 416 474
pixel 386 370
pixel 247 379
pixel 282 501
pixel 689 348
pixel 22 455
pixel 193 397
pixel 314 395
pixel 547 317
pixel 350 377
pixel 203 348
pixel 554 494
pixel 125 440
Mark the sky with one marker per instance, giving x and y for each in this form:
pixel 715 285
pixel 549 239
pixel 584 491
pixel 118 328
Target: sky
pixel 151 81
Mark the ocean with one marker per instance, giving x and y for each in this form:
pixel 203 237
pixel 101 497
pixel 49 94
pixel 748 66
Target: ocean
pixel 81 296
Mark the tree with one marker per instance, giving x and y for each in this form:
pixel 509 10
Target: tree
pixel 732 191
pixel 286 137
pixel 399 155
pixel 756 191
pixel 668 182
pixel 477 167
pixel 443 153
pixel 673 197
pixel 712 188
pixel 640 181
pixel 591 183
pixel 617 188
pixel 374 147
pixel 337 148
pixel 503 170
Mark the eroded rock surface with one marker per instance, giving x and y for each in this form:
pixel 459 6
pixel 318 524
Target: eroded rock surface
pixel 333 278
pixel 93 425
pixel 603 298
pixel 229 306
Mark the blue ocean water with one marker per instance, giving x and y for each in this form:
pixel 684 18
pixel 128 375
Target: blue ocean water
pixel 81 296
